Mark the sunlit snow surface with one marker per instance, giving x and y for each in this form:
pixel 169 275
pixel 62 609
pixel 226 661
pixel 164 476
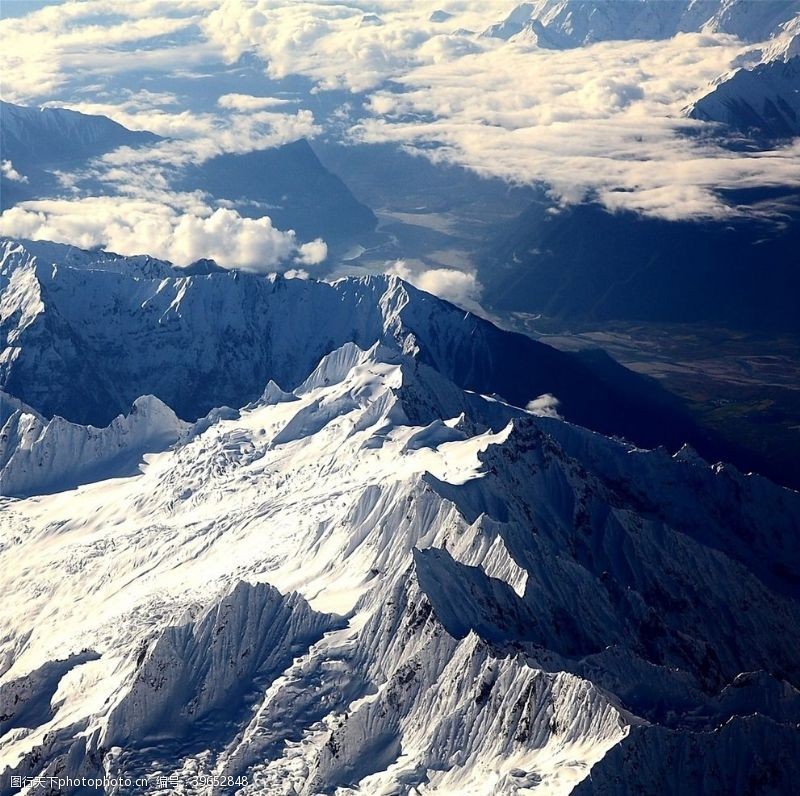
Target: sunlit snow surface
pixel 331 512
pixel 382 584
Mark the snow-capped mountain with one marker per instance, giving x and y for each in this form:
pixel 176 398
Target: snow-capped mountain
pixel 38 455
pixel 573 23
pixel 785 44
pixel 84 334
pixel 377 582
pixel 764 101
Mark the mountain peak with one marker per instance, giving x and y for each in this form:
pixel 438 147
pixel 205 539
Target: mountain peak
pixel 187 355
pixel 369 560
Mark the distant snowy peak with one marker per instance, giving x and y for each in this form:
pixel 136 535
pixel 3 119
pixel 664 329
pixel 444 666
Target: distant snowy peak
pixel 87 128
pixel 272 394
pixel 785 44
pixel 561 24
pixel 749 20
pixel 764 101
pixel 439 16
pixel 515 22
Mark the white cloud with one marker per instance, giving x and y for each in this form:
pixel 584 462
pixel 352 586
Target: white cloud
pixel 545 405
pixel 331 44
pixel 200 136
pixel 134 226
pixel 603 121
pixel 130 108
pixel 190 138
pixel 313 253
pixel 459 287
pixel 10 173
pixel 247 102
pixel 326 41
pixel 42 49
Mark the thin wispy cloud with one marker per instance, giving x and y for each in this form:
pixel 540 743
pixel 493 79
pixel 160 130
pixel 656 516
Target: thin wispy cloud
pixel 10 173
pixel 248 102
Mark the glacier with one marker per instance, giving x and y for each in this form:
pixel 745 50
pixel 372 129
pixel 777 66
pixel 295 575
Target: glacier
pixel 361 576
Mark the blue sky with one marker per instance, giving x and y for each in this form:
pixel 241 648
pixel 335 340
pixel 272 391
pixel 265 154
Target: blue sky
pixel 18 8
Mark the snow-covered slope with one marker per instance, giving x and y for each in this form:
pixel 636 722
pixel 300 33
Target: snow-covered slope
pixel 83 334
pixel 16 254
pixel 37 455
pixel 381 583
pixel 785 44
pixel 573 23
pixel 764 101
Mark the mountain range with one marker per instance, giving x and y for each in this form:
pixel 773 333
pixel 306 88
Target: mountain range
pixel 363 576
pixel 561 24
pixel 277 535
pixel 83 334
pixel 760 98
pixel 288 183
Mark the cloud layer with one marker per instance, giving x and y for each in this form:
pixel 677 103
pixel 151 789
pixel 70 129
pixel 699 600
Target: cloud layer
pixel 604 121
pixel 350 45
pixel 136 226
pixel 42 50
